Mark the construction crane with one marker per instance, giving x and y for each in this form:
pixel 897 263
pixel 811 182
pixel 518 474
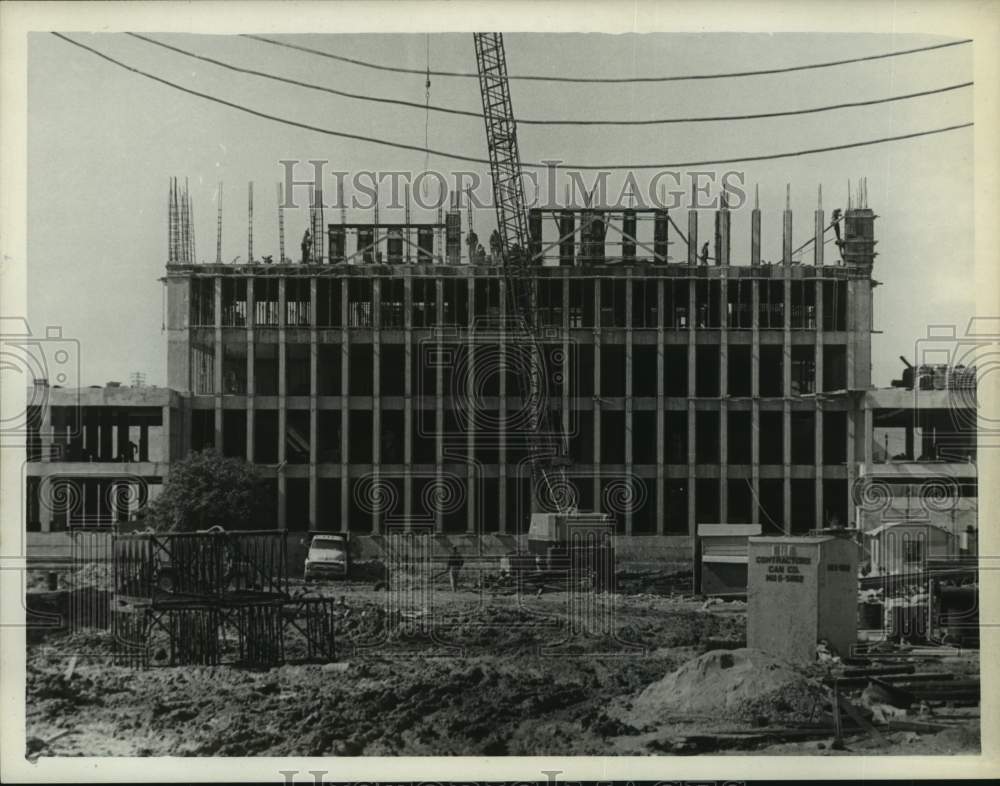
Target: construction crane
pixel 567 541
pixel 546 447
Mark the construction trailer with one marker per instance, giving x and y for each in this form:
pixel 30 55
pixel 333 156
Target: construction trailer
pixel 720 558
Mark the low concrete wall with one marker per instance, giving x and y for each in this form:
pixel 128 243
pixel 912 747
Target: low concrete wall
pixel 636 552
pixel 47 545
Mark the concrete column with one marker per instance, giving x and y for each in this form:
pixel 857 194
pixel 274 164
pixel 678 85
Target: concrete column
pixel 852 336
pixel 569 366
pixel 859 326
pixel 471 522
pixel 46 433
pixel 597 394
pixel 106 432
pixel 786 236
pixel 755 229
pixel 502 408
pixel 250 370
pixel 179 333
pixel 122 441
pixel 755 400
pixel 628 393
pixel 853 416
pixel 439 400
pixel 44 501
pixel 345 436
pixel 409 427
pixel 692 459
pixel 217 363
pixel 820 522
pixel 869 433
pixel 182 425
pixel 313 409
pixel 90 443
pixel 534 379
pixel 661 450
pixel 168 451
pixel 723 254
pixel 818 243
pixel 282 404
pixel 692 249
pixel 376 435
pixel 786 414
pixel 724 372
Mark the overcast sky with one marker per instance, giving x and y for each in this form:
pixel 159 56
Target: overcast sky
pixel 103 142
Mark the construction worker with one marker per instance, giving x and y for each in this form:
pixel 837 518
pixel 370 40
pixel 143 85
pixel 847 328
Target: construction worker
pixel 704 253
pixel 454 566
pixel 480 254
pixel 472 240
pixel 306 246
pixel 495 245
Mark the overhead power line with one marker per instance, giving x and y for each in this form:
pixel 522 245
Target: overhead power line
pixel 476 160
pixel 611 80
pixel 523 121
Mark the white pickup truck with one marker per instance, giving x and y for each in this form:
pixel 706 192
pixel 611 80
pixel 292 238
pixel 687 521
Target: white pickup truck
pixel 328 557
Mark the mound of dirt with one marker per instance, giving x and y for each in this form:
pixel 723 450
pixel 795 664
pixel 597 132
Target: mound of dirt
pixel 728 685
pixel 91 574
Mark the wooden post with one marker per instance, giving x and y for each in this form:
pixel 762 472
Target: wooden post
pixel 838 738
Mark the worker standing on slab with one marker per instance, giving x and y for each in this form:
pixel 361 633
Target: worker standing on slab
pixel 307 246
pixel 454 566
pixel 472 241
pixel 495 246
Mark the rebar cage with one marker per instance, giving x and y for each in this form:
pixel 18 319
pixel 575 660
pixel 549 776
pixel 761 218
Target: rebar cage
pixel 212 598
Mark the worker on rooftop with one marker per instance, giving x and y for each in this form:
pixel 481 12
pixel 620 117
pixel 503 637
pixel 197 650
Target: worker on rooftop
pixel 495 245
pixel 306 246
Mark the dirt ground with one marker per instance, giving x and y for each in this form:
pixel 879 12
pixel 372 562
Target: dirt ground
pixel 452 673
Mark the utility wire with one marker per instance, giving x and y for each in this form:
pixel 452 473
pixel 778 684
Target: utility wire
pixel 611 80
pixel 427 115
pixel 476 160
pixel 428 107
pixel 760 506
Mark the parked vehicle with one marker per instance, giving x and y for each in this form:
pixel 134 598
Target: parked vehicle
pixel 328 557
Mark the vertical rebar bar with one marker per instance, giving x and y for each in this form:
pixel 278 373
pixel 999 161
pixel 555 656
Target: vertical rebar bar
pixel 281 227
pixel 218 230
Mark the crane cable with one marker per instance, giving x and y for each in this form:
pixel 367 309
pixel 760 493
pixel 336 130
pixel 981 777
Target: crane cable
pixel 428 107
pixel 527 164
pixel 427 118
pixel 613 80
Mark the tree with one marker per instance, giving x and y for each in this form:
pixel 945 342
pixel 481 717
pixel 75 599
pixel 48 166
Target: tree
pixel 205 489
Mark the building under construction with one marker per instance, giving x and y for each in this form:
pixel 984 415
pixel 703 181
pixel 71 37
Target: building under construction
pixel 374 378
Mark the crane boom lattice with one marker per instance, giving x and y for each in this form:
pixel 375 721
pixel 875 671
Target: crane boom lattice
pixel 547 448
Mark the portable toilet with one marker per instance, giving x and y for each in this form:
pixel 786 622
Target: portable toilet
pixel 802 590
